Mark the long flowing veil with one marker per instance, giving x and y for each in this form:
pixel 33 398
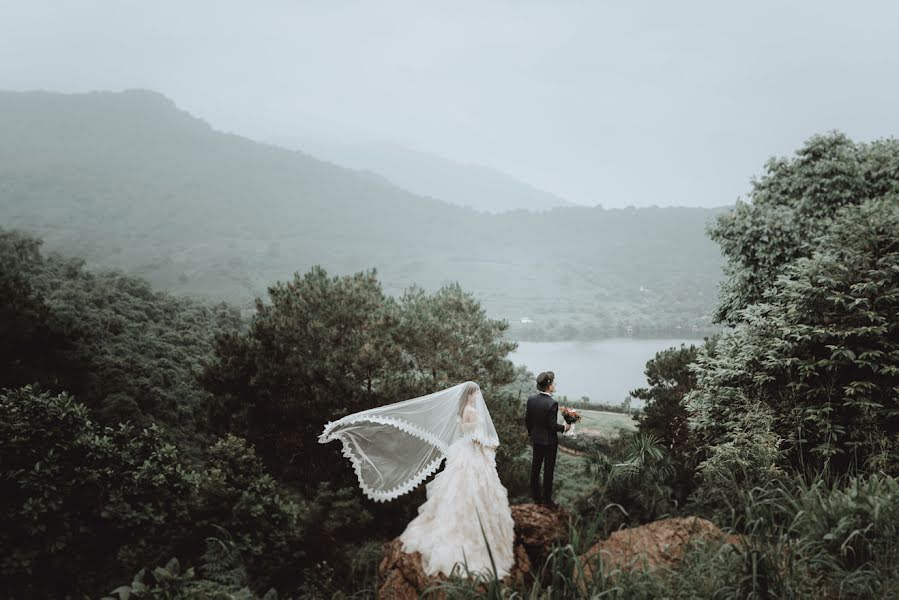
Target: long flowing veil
pixel 394 448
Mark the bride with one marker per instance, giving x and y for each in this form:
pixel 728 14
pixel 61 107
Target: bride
pixel 394 448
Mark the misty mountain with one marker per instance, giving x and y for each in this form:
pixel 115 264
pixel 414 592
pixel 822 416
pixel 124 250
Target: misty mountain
pixel 474 186
pixel 129 181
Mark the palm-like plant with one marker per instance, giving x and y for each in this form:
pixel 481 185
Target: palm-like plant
pixel 638 486
pixel 646 457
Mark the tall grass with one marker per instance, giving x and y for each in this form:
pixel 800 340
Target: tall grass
pixel 799 539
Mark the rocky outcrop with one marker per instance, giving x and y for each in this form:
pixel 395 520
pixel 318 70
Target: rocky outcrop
pixel 537 529
pixel 659 544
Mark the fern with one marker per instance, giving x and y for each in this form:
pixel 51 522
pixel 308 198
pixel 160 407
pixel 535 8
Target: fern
pixel 222 563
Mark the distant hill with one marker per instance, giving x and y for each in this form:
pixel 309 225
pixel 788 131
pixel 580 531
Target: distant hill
pixel 128 180
pixel 474 186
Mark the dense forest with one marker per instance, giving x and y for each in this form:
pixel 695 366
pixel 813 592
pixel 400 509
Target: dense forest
pixel 138 424
pixel 158 446
pixel 129 181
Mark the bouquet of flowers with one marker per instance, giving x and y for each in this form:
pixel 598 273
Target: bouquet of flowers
pixel 571 417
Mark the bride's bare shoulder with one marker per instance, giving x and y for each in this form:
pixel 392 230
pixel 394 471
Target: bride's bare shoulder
pixel 469 412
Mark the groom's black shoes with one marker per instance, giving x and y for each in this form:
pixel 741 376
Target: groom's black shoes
pixel 549 504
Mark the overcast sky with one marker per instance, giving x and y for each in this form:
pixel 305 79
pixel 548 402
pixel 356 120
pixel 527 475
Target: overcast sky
pixel 613 103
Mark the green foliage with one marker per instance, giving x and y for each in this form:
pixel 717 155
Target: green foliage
pixel 335 514
pixel 265 526
pixel 325 347
pixel 172 583
pixel 856 522
pixel 133 353
pixel 322 346
pixel 361 576
pixel 670 378
pixel 792 206
pixel 800 540
pixel 77 493
pixel 829 538
pixel 744 458
pixel 222 563
pixel 448 338
pixel 126 351
pixel 31 347
pixel 821 352
pixel 632 482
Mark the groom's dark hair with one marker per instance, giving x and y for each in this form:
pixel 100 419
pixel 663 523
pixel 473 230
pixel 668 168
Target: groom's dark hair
pixel 544 380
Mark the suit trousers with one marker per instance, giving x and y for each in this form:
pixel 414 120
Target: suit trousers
pixel 545 455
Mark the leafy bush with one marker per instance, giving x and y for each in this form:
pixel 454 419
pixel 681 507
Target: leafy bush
pixel 745 457
pixel 813 293
pixel 77 493
pixel 325 347
pixel 91 503
pixel 670 377
pixel 801 540
pixel 792 206
pixel 172 583
pixel 266 527
pixel 822 537
pixel 856 522
pixel 821 353
pixel 631 484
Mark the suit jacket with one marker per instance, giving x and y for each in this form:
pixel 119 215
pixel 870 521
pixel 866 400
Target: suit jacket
pixel 540 419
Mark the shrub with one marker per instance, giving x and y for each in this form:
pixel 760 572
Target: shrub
pixel 855 522
pixel 266 527
pixel 77 494
pixel 631 484
pixel 172 583
pixel 745 458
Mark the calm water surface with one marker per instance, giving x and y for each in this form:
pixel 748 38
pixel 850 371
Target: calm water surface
pixel 604 370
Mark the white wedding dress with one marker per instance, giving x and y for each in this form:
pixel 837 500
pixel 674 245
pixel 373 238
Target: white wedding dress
pixel 446 530
pixel 395 447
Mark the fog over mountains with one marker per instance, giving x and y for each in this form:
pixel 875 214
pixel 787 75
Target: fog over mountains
pixel 473 186
pixel 130 181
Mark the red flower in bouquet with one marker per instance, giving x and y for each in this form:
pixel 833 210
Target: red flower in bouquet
pixel 570 415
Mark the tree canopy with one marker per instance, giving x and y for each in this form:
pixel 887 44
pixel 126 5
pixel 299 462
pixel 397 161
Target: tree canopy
pixel 814 265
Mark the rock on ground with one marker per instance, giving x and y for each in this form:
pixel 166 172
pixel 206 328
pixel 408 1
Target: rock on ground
pixel 659 544
pixel 537 529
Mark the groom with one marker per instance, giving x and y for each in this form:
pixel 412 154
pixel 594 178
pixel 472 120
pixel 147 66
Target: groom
pixel 540 419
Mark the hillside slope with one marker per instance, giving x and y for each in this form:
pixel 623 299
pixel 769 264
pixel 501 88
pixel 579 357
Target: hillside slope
pixel 130 181
pixel 474 186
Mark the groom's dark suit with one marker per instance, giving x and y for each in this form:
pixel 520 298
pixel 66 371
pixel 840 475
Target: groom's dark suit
pixel 540 419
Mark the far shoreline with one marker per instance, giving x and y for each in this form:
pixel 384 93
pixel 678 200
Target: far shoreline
pixel 699 335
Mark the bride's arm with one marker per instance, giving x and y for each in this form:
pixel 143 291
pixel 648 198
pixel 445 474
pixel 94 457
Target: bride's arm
pixel 470 424
pixel 469 420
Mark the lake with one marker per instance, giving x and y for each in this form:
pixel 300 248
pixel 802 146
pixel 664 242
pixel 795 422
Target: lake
pixel 604 370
